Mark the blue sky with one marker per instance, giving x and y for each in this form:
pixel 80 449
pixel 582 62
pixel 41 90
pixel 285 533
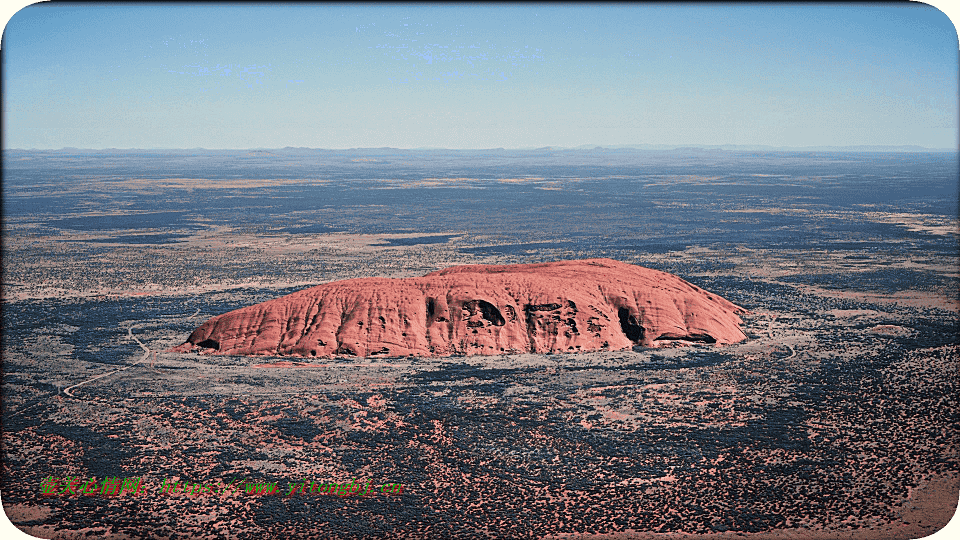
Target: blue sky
pixel 460 76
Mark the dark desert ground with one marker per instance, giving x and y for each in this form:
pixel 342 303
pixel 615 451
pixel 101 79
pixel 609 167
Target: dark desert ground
pixel 836 418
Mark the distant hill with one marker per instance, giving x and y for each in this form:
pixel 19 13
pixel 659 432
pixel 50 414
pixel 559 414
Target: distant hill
pixel 767 148
pixel 538 150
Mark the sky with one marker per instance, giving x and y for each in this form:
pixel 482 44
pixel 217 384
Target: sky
pixel 183 75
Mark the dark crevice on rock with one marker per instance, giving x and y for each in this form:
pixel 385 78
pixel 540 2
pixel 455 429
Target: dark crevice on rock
pixel 487 310
pixel 630 326
pixel 209 344
pixel 541 307
pixel 696 338
pixel 343 349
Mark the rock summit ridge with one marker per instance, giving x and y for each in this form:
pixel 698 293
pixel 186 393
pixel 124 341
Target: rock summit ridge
pixel 565 306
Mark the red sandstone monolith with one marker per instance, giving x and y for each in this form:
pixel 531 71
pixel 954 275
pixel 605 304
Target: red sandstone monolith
pixel 565 306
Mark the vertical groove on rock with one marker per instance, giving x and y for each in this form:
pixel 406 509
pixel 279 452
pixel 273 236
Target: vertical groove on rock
pixel 531 327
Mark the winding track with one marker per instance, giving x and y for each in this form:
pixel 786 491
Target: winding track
pixel 146 354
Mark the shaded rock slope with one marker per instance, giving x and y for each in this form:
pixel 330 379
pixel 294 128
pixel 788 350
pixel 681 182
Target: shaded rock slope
pixel 565 306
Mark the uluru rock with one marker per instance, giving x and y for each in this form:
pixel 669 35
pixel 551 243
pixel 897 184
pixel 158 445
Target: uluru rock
pixel 565 306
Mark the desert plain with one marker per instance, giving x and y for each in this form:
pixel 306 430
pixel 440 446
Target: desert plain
pixel 837 417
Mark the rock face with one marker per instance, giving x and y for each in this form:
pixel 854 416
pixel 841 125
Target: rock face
pixel 566 306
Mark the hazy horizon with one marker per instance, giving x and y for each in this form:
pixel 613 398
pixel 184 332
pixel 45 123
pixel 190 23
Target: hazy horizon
pixel 657 147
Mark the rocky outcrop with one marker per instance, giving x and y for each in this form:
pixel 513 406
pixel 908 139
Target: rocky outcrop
pixel 566 306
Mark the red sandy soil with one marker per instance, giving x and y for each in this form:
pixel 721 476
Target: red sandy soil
pixel 925 512
pixel 566 306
